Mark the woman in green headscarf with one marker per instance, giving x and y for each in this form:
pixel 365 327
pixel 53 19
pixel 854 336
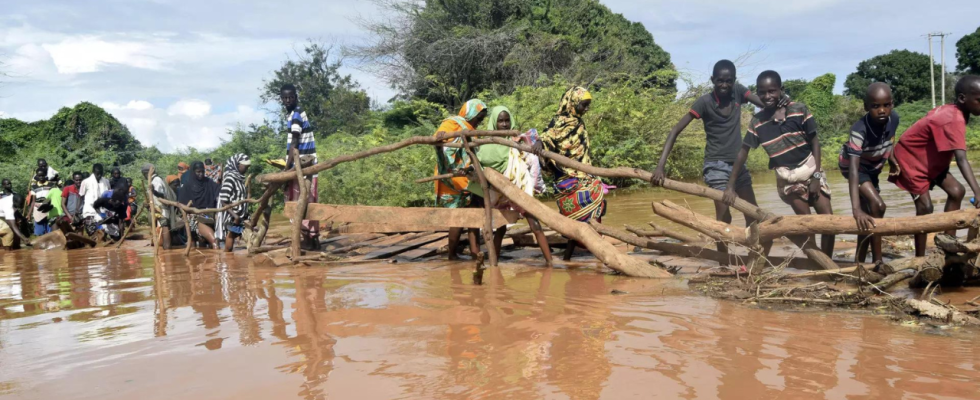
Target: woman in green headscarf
pixel 513 164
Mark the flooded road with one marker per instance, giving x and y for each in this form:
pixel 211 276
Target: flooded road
pixel 121 324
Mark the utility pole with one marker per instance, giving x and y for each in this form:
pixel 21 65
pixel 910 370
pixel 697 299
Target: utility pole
pixel 932 72
pixel 932 66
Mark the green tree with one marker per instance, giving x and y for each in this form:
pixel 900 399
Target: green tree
pixel 968 53
pixel 447 51
pixel 332 102
pixel 907 72
pixel 794 87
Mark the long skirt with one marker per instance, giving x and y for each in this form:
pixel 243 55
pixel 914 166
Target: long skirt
pixel 581 199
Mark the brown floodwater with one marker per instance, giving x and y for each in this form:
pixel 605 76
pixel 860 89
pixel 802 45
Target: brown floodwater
pixel 122 324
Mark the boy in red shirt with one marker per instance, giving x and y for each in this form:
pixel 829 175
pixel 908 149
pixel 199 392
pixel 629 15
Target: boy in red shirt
pixel 926 149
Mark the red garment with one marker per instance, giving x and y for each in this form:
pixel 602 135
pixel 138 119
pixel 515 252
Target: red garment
pixel 70 189
pixel 926 149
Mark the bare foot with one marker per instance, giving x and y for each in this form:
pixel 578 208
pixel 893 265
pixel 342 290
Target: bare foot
pixel 453 256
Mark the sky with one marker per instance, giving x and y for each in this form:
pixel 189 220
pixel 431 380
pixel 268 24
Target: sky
pixel 181 73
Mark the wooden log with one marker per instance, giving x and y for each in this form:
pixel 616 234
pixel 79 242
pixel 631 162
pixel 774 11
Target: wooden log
pixel 74 237
pixel 129 227
pixel 840 224
pixel 386 228
pixel 635 173
pixel 821 273
pixel 300 213
pixel 671 233
pixel 388 242
pixel 421 218
pixel 487 209
pixel 578 231
pixel 950 244
pixel 437 140
pixel 709 226
pixel 254 223
pixel 729 233
pixel 528 240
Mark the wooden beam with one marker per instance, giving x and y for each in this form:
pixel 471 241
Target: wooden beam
pixel 576 230
pixel 421 218
pixel 386 228
pixel 404 246
pixel 844 224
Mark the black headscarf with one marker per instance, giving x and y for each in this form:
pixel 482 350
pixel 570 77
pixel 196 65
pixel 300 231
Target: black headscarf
pixel 203 191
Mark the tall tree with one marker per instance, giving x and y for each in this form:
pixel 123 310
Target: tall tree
pixel 907 72
pixel 448 50
pixel 333 102
pixel 968 53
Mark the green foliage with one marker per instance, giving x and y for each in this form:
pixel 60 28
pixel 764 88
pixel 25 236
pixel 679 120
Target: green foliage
pixel 907 73
pixel 968 53
pixel 453 49
pixel 332 102
pixel 795 87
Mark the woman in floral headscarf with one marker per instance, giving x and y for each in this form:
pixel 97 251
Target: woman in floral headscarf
pixel 452 193
pixel 580 195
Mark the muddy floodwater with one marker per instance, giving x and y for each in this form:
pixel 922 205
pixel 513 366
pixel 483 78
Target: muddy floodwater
pixel 122 324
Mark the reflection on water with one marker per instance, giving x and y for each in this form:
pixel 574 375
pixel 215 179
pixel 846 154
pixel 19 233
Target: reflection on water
pixel 107 324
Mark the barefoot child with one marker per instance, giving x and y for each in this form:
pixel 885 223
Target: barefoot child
pixel 721 113
pixel 925 150
pixel 789 135
pixel 861 160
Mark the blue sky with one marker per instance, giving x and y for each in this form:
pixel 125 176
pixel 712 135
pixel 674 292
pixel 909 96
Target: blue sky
pixel 180 73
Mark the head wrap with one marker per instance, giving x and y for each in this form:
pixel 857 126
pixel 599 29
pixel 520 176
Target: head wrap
pixel 566 135
pixel 471 108
pixel 203 191
pixel 495 113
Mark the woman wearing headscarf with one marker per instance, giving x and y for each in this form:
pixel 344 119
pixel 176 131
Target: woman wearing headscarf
pixel 229 223
pixel 514 165
pixel 452 193
pixel 203 192
pixel 580 195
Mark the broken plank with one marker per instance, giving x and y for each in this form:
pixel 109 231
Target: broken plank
pixel 391 241
pixel 423 218
pixel 354 239
pixel 424 251
pixel 403 247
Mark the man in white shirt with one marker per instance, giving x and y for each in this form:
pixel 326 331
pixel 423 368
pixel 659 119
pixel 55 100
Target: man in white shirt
pixel 42 164
pixel 93 187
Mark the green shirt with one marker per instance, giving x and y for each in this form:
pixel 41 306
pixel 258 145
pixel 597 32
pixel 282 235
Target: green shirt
pixel 55 196
pixel 492 156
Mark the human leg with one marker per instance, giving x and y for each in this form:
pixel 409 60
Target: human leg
pixel 923 206
pixel 454 235
pixel 498 238
pixel 823 206
pixel 206 232
pixel 541 238
pixel 876 208
pixel 954 196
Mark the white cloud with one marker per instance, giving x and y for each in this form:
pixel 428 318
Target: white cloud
pixel 192 108
pixel 185 123
pixel 80 54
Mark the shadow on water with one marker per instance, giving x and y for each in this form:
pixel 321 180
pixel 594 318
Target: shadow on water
pixel 108 324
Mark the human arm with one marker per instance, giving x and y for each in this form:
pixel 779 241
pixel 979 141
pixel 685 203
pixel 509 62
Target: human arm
pixel 815 148
pixel 64 206
pixel 894 170
pixel 967 170
pixel 728 196
pixel 864 221
pixel 658 174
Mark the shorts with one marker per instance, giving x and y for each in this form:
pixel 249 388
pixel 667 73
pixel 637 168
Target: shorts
pixel 41 228
pixel 236 229
pixel 935 181
pixel 864 176
pixel 6 235
pixel 716 175
pixel 163 222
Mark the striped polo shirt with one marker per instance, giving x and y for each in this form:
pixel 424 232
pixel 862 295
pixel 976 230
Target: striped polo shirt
pixel 786 142
pixel 298 123
pixel 873 144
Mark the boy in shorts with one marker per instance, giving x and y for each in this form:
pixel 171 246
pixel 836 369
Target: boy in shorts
pixel 861 160
pixel 925 151
pixel 721 112
pixel 788 134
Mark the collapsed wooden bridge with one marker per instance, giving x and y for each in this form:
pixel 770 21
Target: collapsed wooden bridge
pixel 363 233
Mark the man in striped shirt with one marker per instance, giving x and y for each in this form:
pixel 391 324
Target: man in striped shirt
pixel 788 134
pixel 861 160
pixel 301 138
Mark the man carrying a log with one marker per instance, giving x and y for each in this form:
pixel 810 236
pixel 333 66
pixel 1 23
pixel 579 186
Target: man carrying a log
pixel 721 112
pixel 789 136
pixel 926 150
pixel 861 160
pixel 301 138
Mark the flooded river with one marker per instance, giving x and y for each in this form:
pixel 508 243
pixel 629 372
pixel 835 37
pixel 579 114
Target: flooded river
pixel 121 324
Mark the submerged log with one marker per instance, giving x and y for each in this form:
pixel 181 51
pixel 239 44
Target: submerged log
pixel 578 231
pixel 420 219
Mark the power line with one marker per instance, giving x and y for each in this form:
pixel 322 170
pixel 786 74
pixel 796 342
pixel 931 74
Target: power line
pixel 932 66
